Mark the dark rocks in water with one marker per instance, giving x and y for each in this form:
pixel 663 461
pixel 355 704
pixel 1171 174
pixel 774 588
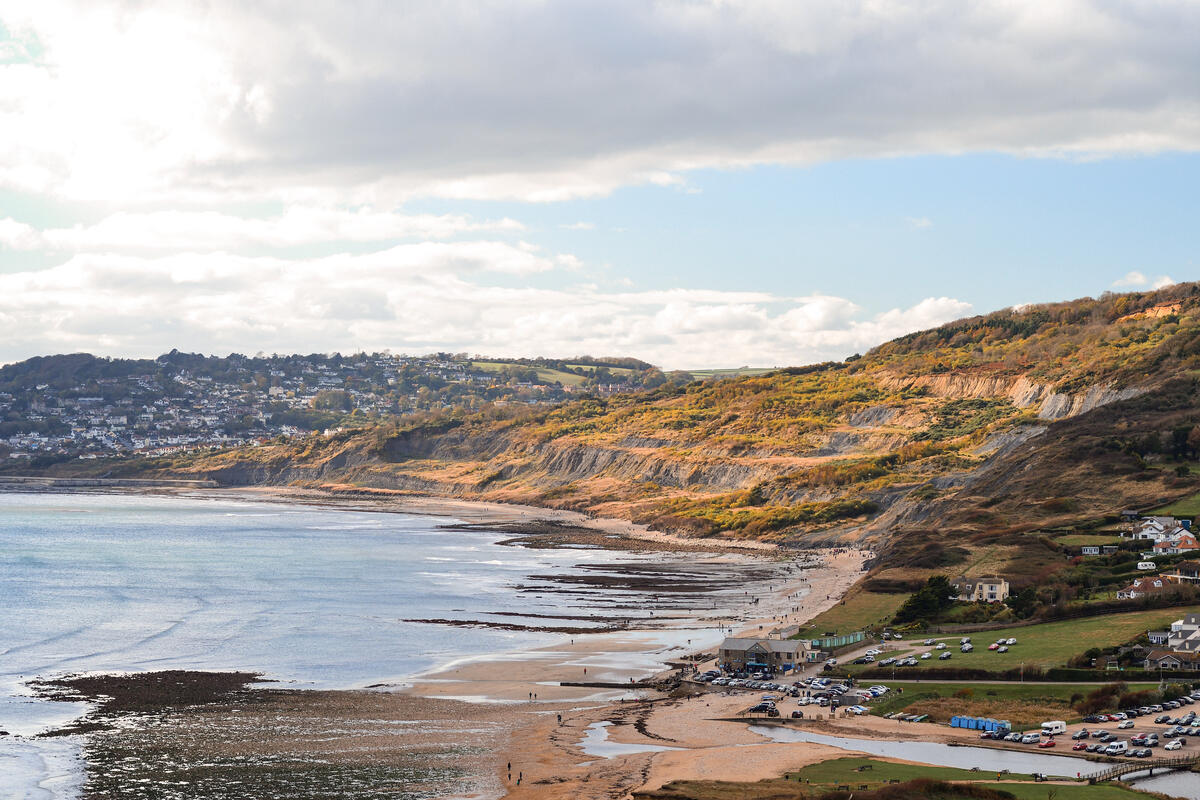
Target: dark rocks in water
pixel 510 626
pixel 148 691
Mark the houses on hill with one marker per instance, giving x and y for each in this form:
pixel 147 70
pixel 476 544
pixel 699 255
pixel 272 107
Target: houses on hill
pixel 1147 587
pixel 1170 535
pixel 1181 650
pixel 1183 542
pixel 987 589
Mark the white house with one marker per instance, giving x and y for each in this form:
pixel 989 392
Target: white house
pixel 987 589
pixel 1184 636
pixel 1146 586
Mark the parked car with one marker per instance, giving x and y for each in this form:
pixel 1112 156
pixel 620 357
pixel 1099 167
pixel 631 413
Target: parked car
pixel 1047 743
pixel 1013 737
pixel 993 646
pixel 1126 724
pixel 940 646
pixel 1002 648
pixel 1094 748
pixel 926 656
pixel 1079 746
pixel 944 656
pixel 1011 641
pixel 928 642
pixel 1162 719
pixel 1083 733
pixel 1031 738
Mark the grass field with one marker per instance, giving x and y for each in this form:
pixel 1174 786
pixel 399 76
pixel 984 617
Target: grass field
pixel 705 374
pixel 1188 507
pixel 548 375
pixel 1080 539
pixel 858 610
pixel 1051 644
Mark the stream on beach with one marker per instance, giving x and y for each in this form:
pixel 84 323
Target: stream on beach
pixel 312 597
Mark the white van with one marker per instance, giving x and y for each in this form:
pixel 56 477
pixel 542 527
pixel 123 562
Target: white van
pixel 1116 749
pixel 1147 565
pixel 1054 727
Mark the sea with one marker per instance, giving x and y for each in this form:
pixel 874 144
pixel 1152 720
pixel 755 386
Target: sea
pixel 312 597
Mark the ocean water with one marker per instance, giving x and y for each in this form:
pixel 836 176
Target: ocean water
pixel 313 597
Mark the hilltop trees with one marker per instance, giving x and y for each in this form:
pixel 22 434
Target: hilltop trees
pixel 929 601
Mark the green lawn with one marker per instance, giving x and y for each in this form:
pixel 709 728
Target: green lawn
pixel 857 611
pixel 1187 507
pixel 1052 643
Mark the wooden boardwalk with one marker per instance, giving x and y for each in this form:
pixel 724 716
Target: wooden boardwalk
pixel 1128 767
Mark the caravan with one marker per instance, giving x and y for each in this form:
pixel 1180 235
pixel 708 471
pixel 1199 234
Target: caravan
pixel 1053 728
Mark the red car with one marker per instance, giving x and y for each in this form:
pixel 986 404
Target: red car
pixel 1047 743
pixel 1080 746
pixel 993 647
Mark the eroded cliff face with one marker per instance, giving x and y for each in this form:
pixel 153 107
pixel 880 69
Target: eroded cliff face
pixel 1020 390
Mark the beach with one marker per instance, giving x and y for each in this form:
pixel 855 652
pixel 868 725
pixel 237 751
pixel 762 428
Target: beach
pixel 454 728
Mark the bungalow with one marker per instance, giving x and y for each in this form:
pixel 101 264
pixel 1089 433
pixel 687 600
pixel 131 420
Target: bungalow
pixel 1158 637
pixel 1141 587
pixel 985 589
pixel 1166 659
pixel 1090 550
pixel 774 654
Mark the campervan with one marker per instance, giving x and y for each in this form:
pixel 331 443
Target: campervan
pixel 1054 728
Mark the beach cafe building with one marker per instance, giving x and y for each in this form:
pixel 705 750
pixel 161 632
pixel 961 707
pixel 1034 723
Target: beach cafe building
pixel 772 655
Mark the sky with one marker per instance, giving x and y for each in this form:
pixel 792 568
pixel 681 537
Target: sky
pixel 698 183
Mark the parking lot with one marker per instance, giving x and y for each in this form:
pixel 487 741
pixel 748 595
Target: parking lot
pixel 1143 732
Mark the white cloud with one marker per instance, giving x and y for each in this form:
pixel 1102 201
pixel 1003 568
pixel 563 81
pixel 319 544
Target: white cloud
pixel 418 298
pixel 126 102
pixel 579 226
pixel 1132 278
pixel 211 230
pixel 1137 280
pixel 919 222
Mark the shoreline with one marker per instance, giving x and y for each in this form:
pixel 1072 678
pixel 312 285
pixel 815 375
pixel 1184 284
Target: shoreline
pixel 529 732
